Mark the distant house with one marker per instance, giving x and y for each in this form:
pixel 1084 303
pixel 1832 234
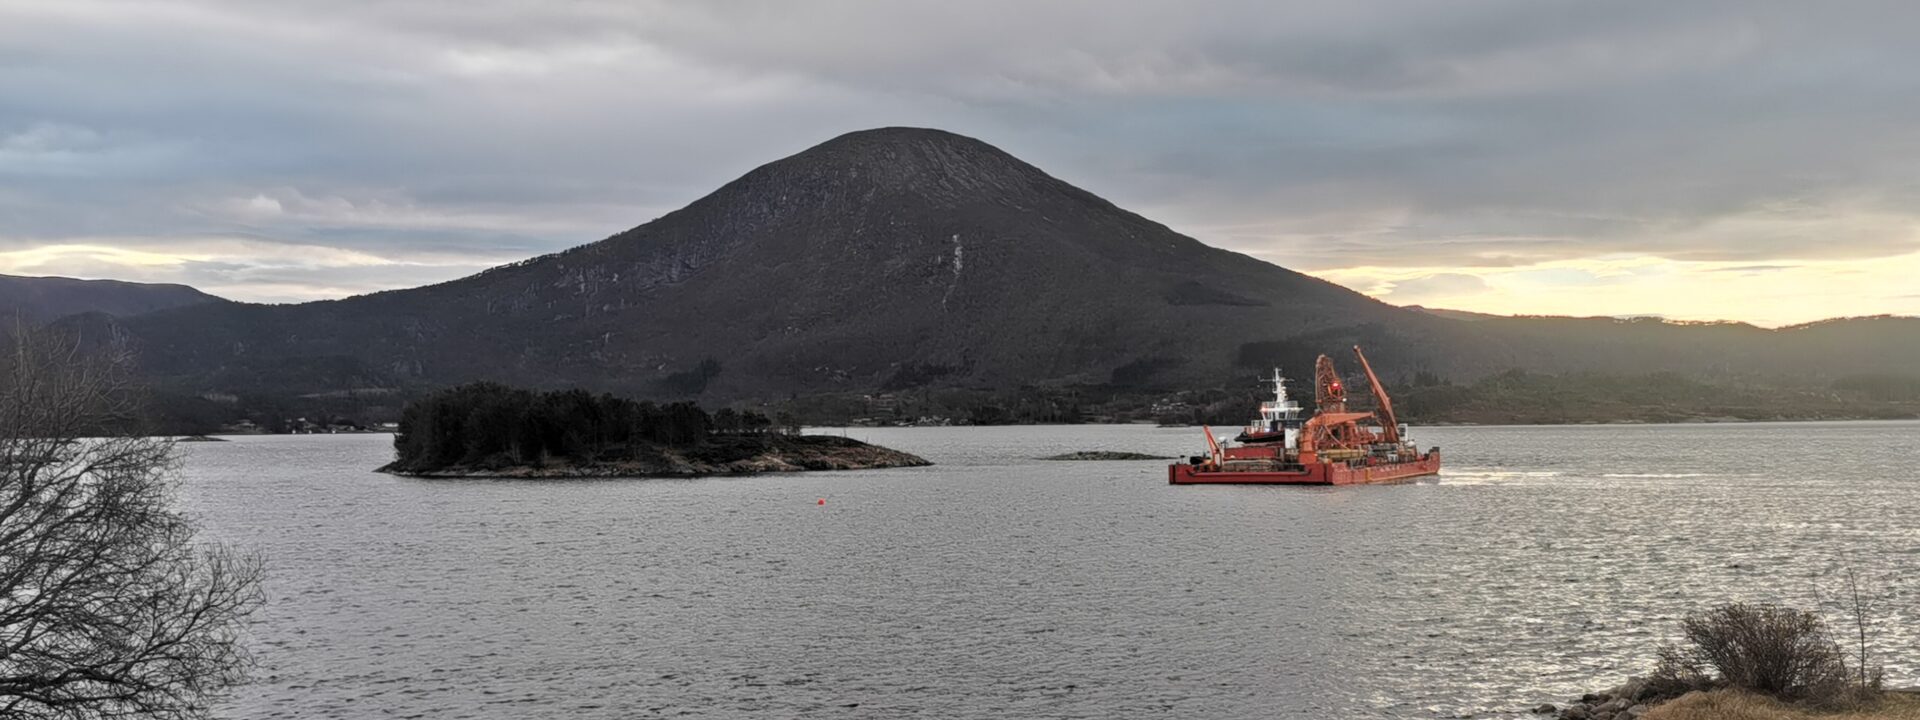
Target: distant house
pixel 882 404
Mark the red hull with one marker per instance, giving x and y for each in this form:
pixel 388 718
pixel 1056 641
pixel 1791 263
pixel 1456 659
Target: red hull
pixel 1325 473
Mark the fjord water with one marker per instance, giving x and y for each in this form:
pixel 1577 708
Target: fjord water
pixel 1545 562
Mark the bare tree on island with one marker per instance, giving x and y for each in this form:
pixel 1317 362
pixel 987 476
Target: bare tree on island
pixel 109 606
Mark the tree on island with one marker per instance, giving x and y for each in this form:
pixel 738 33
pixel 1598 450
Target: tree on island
pixel 482 424
pixel 109 605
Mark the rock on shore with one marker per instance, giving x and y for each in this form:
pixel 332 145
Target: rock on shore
pixel 1628 701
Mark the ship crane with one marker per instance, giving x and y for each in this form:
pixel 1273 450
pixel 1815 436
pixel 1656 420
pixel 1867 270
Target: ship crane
pixel 1328 394
pixel 1333 427
pixel 1336 446
pixel 1389 425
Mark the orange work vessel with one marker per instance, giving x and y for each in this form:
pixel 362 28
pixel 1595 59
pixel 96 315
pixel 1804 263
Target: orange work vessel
pixel 1332 447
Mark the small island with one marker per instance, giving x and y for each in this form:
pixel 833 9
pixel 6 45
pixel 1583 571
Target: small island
pixel 1105 455
pixel 491 430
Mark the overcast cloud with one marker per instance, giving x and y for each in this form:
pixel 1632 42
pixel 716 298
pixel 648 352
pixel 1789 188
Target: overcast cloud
pixel 1497 155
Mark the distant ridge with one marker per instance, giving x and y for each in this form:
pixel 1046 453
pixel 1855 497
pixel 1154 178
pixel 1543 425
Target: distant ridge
pixel 40 299
pixel 1455 314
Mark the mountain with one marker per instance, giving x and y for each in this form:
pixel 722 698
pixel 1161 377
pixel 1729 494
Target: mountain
pixel 39 299
pixel 883 258
pixel 904 258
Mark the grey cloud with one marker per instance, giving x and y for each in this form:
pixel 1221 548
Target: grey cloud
pixel 298 284
pixel 1316 135
pixel 257 282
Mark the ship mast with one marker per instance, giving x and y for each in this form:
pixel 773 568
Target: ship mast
pixel 1281 408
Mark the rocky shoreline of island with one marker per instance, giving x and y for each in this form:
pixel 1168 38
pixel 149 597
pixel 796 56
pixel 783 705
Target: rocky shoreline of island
pixel 731 456
pixel 1104 456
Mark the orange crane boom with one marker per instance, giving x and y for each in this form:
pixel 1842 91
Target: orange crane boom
pixel 1389 425
pixel 1213 446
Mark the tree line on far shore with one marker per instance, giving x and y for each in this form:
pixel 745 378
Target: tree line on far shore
pixel 486 422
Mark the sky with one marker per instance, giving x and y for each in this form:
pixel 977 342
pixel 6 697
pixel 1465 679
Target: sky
pixel 1745 160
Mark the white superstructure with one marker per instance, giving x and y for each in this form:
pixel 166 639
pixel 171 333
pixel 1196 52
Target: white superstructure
pixel 1279 414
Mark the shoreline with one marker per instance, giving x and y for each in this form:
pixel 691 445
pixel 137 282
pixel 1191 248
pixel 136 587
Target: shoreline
pixel 1448 423
pixel 1443 424
pixel 1637 698
pixel 1695 421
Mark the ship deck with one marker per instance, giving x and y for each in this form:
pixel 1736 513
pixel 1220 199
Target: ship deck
pixel 1325 473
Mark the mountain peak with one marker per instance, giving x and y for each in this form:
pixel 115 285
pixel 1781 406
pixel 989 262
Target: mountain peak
pixel 900 135
pixel 921 161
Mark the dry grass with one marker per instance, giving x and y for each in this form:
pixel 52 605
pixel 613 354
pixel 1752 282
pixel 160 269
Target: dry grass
pixel 1738 705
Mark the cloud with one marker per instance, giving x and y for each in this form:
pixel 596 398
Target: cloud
pixel 1337 138
pixel 1637 286
pixel 1413 291
pixel 243 268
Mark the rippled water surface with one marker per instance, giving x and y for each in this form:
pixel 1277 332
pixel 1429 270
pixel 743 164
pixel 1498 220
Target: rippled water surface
pixel 1545 562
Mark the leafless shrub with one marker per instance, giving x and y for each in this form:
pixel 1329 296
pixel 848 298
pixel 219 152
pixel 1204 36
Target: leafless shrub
pixel 1870 675
pixel 109 607
pixel 1769 649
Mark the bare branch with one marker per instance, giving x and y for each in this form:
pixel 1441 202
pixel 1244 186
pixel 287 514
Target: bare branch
pixel 109 605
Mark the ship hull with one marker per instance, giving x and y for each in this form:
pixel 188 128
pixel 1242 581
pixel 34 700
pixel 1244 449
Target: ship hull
pixel 1324 473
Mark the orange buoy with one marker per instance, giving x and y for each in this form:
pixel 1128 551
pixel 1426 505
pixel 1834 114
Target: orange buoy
pixel 823 501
